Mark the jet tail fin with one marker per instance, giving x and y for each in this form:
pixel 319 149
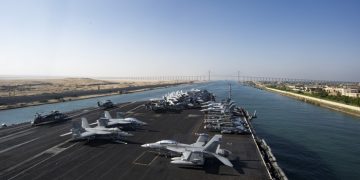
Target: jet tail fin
pixel 107 115
pixel 212 145
pixel 84 123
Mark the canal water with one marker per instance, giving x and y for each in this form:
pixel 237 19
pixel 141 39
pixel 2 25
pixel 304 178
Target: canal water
pixel 309 142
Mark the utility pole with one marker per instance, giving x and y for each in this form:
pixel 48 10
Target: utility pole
pixel 238 76
pixel 209 76
pixel 230 91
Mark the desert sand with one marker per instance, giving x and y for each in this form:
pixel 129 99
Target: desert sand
pixel 15 93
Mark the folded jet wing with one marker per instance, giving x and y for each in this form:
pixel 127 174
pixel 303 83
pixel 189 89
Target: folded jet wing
pixel 178 149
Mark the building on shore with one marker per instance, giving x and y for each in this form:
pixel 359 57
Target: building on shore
pixel 349 91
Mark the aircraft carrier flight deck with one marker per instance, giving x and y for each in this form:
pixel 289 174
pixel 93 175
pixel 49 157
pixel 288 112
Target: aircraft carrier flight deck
pixel 41 153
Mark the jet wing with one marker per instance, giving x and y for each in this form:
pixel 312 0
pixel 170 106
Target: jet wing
pixel 87 134
pixel 120 122
pixel 93 133
pixel 224 160
pixel 176 149
pixel 99 132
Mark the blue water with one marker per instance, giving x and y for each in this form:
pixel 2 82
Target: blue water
pixel 309 142
pixel 13 116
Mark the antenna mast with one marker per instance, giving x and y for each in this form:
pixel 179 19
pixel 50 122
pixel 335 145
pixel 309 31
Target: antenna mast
pixel 230 91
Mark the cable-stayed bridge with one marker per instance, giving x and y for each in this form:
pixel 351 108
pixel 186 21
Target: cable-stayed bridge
pixel 239 78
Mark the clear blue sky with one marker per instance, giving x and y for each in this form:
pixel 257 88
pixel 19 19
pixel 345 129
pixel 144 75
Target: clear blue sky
pixel 312 39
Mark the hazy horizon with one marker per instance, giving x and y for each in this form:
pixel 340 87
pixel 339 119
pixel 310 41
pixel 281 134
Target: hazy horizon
pixel 303 39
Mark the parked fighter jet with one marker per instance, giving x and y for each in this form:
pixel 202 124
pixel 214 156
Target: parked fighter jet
pixel 161 145
pixel 195 154
pixel 123 121
pixel 108 121
pixel 85 132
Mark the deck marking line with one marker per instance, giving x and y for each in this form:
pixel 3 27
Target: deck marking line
pixel 18 145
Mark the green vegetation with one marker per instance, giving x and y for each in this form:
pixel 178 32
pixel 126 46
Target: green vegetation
pixel 322 94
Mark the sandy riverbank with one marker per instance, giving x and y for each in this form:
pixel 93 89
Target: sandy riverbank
pixel 353 110
pixel 23 93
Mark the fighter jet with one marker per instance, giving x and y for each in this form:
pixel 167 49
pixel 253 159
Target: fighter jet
pixel 109 121
pixel 195 154
pixel 85 132
pixel 163 144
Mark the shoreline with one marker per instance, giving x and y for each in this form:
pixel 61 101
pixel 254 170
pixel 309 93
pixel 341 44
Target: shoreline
pixel 67 99
pixel 344 108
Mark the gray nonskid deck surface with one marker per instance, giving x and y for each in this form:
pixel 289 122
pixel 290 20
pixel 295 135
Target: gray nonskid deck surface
pixel 43 154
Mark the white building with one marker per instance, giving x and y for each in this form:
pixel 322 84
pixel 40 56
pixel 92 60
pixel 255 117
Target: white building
pixel 344 91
